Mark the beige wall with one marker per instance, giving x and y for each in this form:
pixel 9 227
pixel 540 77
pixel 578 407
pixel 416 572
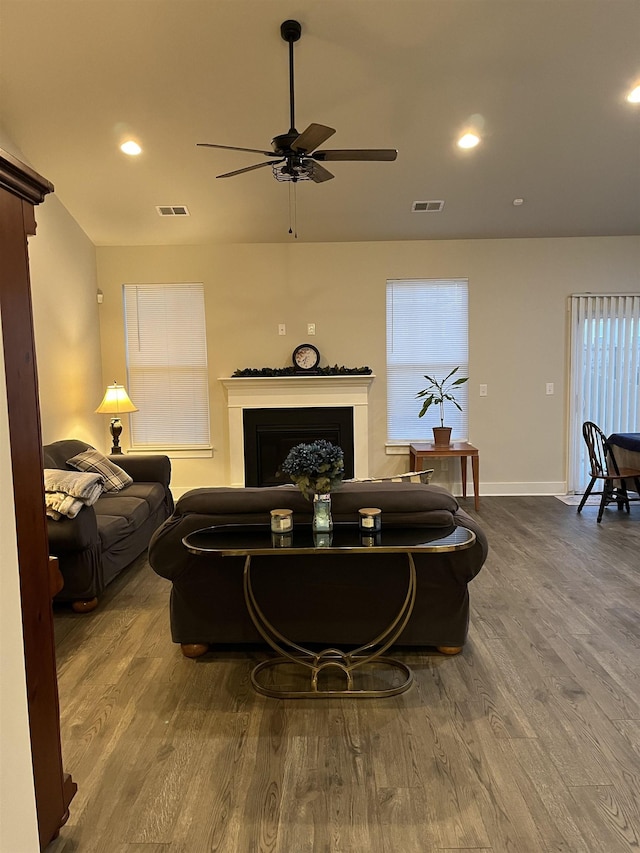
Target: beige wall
pixel 62 264
pixel 518 330
pixel 66 325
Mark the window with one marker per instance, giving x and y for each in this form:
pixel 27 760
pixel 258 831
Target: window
pixel 605 372
pixel 427 332
pixel 167 366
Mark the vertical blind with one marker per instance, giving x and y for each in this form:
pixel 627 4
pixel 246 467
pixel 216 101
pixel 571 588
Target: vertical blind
pixel 167 365
pixel 427 332
pixel 605 372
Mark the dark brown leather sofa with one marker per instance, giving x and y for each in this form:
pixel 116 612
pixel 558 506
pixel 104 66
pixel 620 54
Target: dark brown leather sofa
pixel 328 599
pixel 103 539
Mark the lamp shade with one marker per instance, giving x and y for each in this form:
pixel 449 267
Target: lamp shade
pixel 116 401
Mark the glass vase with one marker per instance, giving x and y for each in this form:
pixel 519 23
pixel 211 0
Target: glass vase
pixel 322 520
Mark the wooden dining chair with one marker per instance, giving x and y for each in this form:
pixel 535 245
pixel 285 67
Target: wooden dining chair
pixel 604 468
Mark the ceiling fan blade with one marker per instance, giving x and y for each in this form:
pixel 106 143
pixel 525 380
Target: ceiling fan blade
pixel 320 174
pixel 234 148
pixel 313 136
pixel 249 168
pixel 377 154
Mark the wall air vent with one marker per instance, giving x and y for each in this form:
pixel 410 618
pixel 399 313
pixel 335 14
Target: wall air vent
pixel 172 210
pixel 427 206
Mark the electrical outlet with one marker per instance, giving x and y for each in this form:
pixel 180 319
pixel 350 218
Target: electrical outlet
pixel 550 388
pixel 282 329
pixel 483 390
pixel 311 328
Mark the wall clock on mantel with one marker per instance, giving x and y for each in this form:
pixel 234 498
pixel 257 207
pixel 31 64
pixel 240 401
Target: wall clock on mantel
pixel 305 358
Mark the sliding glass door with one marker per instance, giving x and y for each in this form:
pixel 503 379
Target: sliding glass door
pixel 605 372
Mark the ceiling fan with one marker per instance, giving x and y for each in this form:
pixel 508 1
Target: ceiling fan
pixel 296 157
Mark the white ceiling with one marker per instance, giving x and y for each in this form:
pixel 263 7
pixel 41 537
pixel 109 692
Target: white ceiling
pixel 547 77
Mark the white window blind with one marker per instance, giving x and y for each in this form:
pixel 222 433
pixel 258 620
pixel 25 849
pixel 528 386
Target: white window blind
pixel 167 365
pixel 427 332
pixel 605 372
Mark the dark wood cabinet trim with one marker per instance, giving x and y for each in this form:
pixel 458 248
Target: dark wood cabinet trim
pixel 20 189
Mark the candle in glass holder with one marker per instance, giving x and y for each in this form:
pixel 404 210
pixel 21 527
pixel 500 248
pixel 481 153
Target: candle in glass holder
pixel 281 520
pixel 370 519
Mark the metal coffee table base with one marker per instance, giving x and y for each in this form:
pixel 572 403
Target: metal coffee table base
pixel 350 665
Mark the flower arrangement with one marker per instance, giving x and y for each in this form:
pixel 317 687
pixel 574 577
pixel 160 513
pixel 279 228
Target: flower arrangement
pixel 316 468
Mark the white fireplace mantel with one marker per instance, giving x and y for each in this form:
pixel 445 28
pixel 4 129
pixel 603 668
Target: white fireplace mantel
pixel 293 392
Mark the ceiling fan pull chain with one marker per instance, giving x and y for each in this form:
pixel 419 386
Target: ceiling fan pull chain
pixel 293 210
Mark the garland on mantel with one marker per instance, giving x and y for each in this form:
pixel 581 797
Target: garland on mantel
pixel 291 371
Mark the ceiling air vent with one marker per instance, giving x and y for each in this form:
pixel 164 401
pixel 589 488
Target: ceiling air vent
pixel 172 210
pixel 427 206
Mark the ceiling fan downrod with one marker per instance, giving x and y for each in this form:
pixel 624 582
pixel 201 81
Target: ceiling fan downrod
pixel 290 32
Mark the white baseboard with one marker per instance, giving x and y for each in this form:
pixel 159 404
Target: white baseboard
pixel 508 489
pixel 505 489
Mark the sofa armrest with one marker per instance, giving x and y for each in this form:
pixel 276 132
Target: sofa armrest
pixel 145 468
pixel 73 534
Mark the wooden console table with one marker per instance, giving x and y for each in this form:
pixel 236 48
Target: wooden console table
pixel 425 449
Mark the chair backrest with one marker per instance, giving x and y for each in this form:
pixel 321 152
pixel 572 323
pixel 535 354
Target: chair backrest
pixel 601 459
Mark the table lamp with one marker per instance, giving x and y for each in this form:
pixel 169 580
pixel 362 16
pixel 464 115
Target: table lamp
pixel 116 402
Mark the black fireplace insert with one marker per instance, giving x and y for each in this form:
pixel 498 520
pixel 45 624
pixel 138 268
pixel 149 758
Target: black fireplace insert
pixel 269 435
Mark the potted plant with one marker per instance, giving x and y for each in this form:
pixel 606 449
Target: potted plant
pixel 437 393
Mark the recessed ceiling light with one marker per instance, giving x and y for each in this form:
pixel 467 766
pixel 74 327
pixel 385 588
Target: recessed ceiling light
pixel 468 140
pixel 130 147
pixel 634 96
pixel 517 202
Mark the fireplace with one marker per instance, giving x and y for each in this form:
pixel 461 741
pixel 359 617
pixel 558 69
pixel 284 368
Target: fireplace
pixel 269 434
pixel 248 393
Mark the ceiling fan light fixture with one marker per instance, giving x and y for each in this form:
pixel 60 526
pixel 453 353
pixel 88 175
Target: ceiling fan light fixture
pixel 288 171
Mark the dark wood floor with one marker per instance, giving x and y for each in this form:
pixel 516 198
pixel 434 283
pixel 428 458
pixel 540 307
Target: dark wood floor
pixel 527 742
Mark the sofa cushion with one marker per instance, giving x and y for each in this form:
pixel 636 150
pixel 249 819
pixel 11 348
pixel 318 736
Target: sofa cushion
pixel 405 504
pixel 152 493
pixel 111 529
pixel 413 504
pixel 118 516
pixel 92 460
pixel 134 510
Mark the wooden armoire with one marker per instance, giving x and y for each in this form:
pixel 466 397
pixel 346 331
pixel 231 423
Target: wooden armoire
pixel 21 189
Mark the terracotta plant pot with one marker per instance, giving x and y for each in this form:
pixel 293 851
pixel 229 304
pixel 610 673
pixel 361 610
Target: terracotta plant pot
pixel 442 436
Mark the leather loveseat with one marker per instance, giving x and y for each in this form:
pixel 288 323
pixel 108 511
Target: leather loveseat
pixel 328 599
pixel 103 539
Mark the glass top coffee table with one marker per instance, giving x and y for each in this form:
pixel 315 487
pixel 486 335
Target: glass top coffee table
pixel 360 667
